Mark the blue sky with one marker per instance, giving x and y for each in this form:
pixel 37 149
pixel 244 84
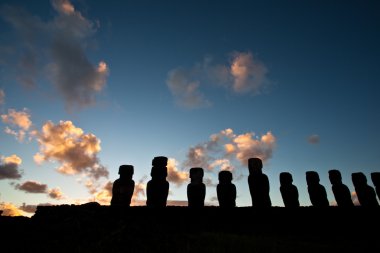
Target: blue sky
pixel 159 78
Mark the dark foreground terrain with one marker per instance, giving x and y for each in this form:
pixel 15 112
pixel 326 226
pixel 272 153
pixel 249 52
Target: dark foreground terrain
pixel 95 228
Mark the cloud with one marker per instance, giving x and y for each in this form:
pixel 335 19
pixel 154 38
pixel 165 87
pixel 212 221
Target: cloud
pixel 19 121
pixel 31 208
pixel 2 97
pixel 313 139
pixel 355 199
pixel 223 164
pixel 10 210
pixel 72 148
pixel 57 48
pixel 28 208
pixel 177 203
pixel 139 192
pixel 249 74
pixel 243 74
pixel 104 196
pixel 32 187
pixel 174 175
pixel 185 90
pixel 226 150
pixel 248 146
pixel 9 167
pixel 55 193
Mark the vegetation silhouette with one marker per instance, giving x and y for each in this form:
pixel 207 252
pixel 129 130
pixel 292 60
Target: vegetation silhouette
pixel 196 189
pixel 258 184
pixel 341 192
pixel 123 187
pixel 157 189
pixel 366 194
pixel 317 192
pixel 226 190
pixel 289 192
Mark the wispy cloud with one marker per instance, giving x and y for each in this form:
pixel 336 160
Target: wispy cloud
pixel 243 74
pixel 249 74
pixel 58 47
pixel 9 167
pixel 2 96
pixel 225 148
pixel 185 90
pixel 19 123
pixel 313 139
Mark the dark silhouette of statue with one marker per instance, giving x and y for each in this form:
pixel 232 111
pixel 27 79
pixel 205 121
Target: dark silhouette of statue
pixel 123 187
pixel 258 184
pixel 375 176
pixel 196 190
pixel 289 191
pixel 341 192
pixel 157 189
pixel 226 190
pixel 366 194
pixel 317 192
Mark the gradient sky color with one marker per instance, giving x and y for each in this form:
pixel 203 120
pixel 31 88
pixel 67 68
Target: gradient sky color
pixel 295 83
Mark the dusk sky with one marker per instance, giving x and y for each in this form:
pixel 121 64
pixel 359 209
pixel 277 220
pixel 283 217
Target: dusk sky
pixel 86 86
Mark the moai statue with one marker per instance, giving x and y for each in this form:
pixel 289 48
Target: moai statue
pixel 226 190
pixel 157 189
pixel 317 192
pixel 123 187
pixel 375 176
pixel 289 191
pixel 366 194
pixel 196 190
pixel 341 192
pixel 258 184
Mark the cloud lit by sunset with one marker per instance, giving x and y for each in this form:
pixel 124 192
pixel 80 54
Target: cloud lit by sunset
pixel 86 86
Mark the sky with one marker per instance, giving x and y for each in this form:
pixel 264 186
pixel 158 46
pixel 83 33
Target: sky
pixel 86 86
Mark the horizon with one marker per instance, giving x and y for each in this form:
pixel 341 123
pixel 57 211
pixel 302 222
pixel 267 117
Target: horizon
pixel 86 86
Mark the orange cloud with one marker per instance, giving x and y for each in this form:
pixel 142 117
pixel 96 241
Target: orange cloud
pixel 63 6
pixel 55 193
pixel 223 164
pixel 9 167
pixel 247 146
pixel 248 73
pixel 139 193
pixel 20 119
pixel 174 175
pixel 10 210
pixel 70 146
pixel 13 159
pixel 225 147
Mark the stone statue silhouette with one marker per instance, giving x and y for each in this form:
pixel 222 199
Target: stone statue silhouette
pixel 289 191
pixel 226 190
pixel 157 189
pixel 196 190
pixel 366 194
pixel 317 192
pixel 341 192
pixel 123 187
pixel 375 176
pixel 258 184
